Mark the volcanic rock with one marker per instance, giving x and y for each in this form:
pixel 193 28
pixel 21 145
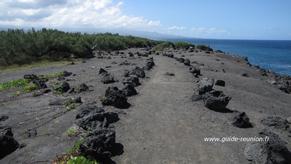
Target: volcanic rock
pixel 276 122
pixel 3 118
pixel 271 151
pixel 115 97
pixel 220 83
pixel 187 62
pixel 82 88
pixel 205 85
pixel 195 71
pixel 131 80
pixel 129 90
pixel 99 144
pixel 216 100
pixel 93 117
pixel 107 78
pixel 241 120
pixel 139 72
pixel 7 142
pixel 63 87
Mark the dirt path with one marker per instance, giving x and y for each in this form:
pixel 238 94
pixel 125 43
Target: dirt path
pixel 164 126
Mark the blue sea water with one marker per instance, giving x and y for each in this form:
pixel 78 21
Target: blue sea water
pixel 273 55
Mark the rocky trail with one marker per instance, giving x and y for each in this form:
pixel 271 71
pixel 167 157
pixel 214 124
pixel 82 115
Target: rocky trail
pixel 135 108
pixel 165 126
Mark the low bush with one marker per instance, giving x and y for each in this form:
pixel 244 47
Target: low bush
pixel 204 48
pixel 22 47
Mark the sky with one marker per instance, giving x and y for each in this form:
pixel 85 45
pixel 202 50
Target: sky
pixel 220 19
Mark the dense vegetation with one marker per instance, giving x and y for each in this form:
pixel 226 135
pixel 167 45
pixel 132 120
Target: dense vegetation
pixel 174 45
pixel 24 47
pixel 21 47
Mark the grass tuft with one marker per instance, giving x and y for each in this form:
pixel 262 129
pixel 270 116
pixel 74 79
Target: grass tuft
pixel 19 83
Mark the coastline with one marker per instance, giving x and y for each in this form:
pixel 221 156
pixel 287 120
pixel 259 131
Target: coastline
pixel 162 107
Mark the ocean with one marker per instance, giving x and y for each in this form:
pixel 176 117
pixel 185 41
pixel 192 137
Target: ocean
pixel 272 55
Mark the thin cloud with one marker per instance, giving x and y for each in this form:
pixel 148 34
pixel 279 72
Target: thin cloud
pixel 208 32
pixel 70 13
pixel 177 28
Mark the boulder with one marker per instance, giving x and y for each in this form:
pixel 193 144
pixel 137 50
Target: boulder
pixel 245 75
pixel 39 82
pixel 7 142
pixel 129 90
pixel 241 120
pixel 4 118
pixel 187 62
pixel 82 88
pixel 195 71
pixel 149 64
pixel 272 150
pixel 216 100
pixel 93 117
pixel 115 97
pixel 205 85
pixel 99 144
pixel 276 122
pixel 131 80
pixel 139 72
pixel 102 71
pixel 66 73
pixel 62 88
pixel 285 87
pixel 220 83
pixel 181 60
pixel 107 78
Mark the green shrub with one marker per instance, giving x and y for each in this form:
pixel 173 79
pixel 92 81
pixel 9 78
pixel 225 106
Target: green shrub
pixel 19 83
pixel 76 146
pixel 22 47
pixel 80 160
pixel 183 45
pixel 204 48
pixel 164 45
pixel 72 131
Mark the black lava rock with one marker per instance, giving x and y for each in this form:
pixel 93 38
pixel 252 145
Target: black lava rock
pixel 272 150
pixel 3 118
pixel 93 117
pixel 99 144
pixel 187 62
pixel 115 97
pixel 101 71
pixel 205 85
pixel 195 71
pixel 220 83
pixel 241 120
pixel 276 122
pixel 66 73
pixel 139 72
pixel 82 88
pixel 149 64
pixel 107 78
pixel 39 82
pixel 129 90
pixel 131 80
pixel 7 142
pixel 181 60
pixel 63 87
pixel 216 100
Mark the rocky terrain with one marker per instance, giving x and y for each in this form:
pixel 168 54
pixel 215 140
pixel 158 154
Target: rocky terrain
pixel 141 106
